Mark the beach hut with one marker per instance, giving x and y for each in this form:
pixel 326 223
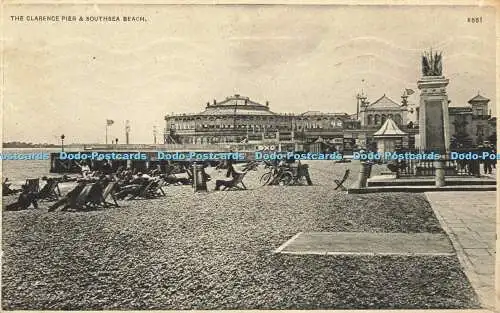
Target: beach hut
pixel 389 137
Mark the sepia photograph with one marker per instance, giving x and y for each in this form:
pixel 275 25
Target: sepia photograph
pixel 248 157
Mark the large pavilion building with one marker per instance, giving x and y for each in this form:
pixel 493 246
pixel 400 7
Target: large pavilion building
pixel 239 119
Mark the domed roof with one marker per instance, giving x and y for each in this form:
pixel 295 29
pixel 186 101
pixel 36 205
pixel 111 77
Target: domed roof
pixel 237 105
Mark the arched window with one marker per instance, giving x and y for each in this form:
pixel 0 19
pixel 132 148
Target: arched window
pixel 377 119
pixel 369 119
pixel 383 118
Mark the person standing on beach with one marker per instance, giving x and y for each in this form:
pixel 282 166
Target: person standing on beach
pixel 488 163
pixel 230 168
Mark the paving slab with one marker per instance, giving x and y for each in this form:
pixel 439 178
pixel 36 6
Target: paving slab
pixel 477 252
pixel 382 180
pixel 351 243
pixel 474 239
pixel 419 189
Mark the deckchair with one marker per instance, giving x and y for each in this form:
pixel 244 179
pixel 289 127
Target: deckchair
pixel 341 182
pixel 90 197
pixel 33 184
pixel 50 191
pixel 109 192
pixel 237 182
pixel 151 189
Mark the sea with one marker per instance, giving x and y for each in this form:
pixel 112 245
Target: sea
pixel 17 171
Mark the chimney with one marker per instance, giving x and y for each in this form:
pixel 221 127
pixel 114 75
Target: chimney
pixel 267 103
pixel 208 104
pixel 215 102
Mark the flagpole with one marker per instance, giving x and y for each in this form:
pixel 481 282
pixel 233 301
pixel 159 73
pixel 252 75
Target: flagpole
pixel 106 132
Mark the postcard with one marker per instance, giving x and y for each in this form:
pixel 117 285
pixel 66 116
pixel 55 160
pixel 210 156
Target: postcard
pixel 249 156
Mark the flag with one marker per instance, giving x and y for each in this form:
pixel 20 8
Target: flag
pixel 109 122
pixel 409 92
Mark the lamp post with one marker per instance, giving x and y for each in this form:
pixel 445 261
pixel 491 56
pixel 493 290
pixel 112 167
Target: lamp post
pixel 62 142
pixel 358 98
pixel 127 131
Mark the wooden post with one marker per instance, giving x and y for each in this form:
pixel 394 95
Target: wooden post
pixel 364 172
pixel 199 178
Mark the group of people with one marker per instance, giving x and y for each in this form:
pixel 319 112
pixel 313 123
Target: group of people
pixel 488 164
pixel 473 167
pixel 27 197
pixel 128 183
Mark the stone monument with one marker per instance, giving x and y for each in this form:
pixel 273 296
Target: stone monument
pixel 434 133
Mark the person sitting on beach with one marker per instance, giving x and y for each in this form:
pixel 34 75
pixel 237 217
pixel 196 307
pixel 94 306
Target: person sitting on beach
pixel 66 178
pixel 174 180
pixel 157 171
pixel 122 174
pixel 225 183
pixel 107 167
pixel 25 199
pixel 104 180
pixel 85 169
pixel 134 186
pixel 143 176
pixel 228 183
pixel 46 188
pixel 70 199
pixel 170 178
pixel 92 176
pixel 6 188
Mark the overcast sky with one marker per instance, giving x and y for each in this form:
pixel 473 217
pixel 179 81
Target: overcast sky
pixel 70 77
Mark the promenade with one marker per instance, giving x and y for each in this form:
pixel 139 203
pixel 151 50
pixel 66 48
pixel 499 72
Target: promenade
pixel 469 218
pixel 216 250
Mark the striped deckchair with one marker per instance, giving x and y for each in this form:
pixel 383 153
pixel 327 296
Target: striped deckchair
pixel 33 184
pixel 150 189
pixel 50 191
pixel 109 192
pixel 90 197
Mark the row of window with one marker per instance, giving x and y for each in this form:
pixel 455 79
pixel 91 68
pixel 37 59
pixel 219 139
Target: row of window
pixel 271 126
pixel 380 119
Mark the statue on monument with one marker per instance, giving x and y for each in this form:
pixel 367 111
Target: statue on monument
pixel 432 64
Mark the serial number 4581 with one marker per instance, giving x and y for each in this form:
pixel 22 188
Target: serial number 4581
pixel 475 19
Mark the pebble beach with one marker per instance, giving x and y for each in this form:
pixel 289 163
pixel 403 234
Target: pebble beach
pixel 214 250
